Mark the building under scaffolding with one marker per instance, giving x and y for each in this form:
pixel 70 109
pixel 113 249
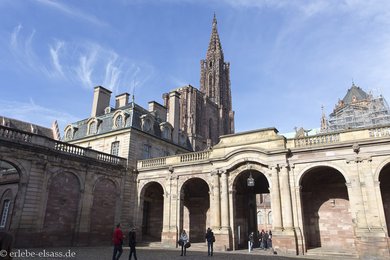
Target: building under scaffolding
pixel 357 110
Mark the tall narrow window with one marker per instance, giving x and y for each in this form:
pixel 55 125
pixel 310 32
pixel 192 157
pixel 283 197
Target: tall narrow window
pixel 260 218
pixel 4 213
pixel 147 149
pixel 92 128
pixel 115 148
pixel 270 217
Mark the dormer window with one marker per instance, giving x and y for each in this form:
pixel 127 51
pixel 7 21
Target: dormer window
pixel 92 128
pixel 147 121
pixel 68 134
pixel 119 121
pixel 147 125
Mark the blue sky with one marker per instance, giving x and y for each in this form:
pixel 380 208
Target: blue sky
pixel 288 57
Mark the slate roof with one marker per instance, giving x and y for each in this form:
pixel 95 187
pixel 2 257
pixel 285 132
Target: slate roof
pixel 356 91
pixel 26 127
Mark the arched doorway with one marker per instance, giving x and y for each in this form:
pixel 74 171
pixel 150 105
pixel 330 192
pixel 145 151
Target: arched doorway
pixel 384 180
pixel 152 201
pixel 195 208
pixel 327 220
pixel 9 186
pixel 251 206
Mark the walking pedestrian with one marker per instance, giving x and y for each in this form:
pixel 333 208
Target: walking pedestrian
pixel 251 240
pixel 117 239
pixel 132 242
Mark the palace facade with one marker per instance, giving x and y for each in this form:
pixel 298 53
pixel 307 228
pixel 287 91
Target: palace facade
pixel 179 165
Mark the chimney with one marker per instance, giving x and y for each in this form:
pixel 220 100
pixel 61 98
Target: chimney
pixel 121 100
pixel 174 114
pixel 101 100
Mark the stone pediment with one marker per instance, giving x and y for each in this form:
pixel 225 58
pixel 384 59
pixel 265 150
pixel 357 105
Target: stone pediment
pixel 267 138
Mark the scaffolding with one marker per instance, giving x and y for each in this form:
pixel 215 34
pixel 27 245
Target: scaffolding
pixel 357 110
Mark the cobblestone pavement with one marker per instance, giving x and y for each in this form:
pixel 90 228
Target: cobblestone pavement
pixel 145 253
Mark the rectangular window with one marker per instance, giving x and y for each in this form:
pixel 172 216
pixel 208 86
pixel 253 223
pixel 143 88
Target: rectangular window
pixel 4 214
pixel 115 148
pixel 147 153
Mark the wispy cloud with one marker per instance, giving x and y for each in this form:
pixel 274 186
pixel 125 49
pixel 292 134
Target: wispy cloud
pixel 21 47
pixel 72 11
pixel 32 112
pixel 54 54
pixel 86 63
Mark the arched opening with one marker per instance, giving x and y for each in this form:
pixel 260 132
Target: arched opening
pixel 61 210
pixel 103 212
pixel 9 186
pixel 251 206
pixel 194 210
pixel 327 220
pixel 152 212
pixel 384 180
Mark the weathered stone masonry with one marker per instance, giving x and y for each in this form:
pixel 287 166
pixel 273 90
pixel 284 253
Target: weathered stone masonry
pixel 63 194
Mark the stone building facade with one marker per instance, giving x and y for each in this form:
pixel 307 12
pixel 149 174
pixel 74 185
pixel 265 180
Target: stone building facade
pixel 328 193
pixel 180 166
pixel 57 194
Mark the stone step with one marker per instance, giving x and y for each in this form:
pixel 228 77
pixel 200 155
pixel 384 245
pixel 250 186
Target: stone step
pixel 344 254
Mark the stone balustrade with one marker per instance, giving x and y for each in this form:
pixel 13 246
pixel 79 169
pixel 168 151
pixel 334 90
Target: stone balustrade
pixel 176 159
pixel 153 162
pixel 379 132
pixel 342 136
pixel 16 135
pixel 317 140
pixel 193 157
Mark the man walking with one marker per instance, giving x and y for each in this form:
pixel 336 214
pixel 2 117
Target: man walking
pixel 117 239
pixel 132 242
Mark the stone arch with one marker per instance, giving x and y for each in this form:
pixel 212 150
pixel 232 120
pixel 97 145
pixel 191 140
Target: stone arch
pixel 105 194
pixel 239 166
pixel 324 195
pixel 194 207
pixel 308 168
pixel 379 169
pixel 248 200
pixel 62 209
pixel 152 210
pixel 384 184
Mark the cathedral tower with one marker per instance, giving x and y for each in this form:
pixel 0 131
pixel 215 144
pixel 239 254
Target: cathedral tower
pixel 215 81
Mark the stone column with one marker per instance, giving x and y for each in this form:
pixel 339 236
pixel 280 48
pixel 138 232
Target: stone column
pixel 355 196
pixel 167 207
pixel 372 207
pixel 224 201
pixel 286 198
pixel 171 217
pixel 216 199
pixel 275 200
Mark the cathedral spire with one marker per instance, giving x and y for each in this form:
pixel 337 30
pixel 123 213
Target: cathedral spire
pixel 215 47
pixel 215 81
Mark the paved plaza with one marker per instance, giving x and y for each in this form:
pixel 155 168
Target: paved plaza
pixel 147 253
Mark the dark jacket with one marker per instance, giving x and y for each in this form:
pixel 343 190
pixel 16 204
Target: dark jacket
pixel 210 236
pixel 132 239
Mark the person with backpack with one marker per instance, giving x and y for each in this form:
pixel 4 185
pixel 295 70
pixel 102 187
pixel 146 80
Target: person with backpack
pixel 210 238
